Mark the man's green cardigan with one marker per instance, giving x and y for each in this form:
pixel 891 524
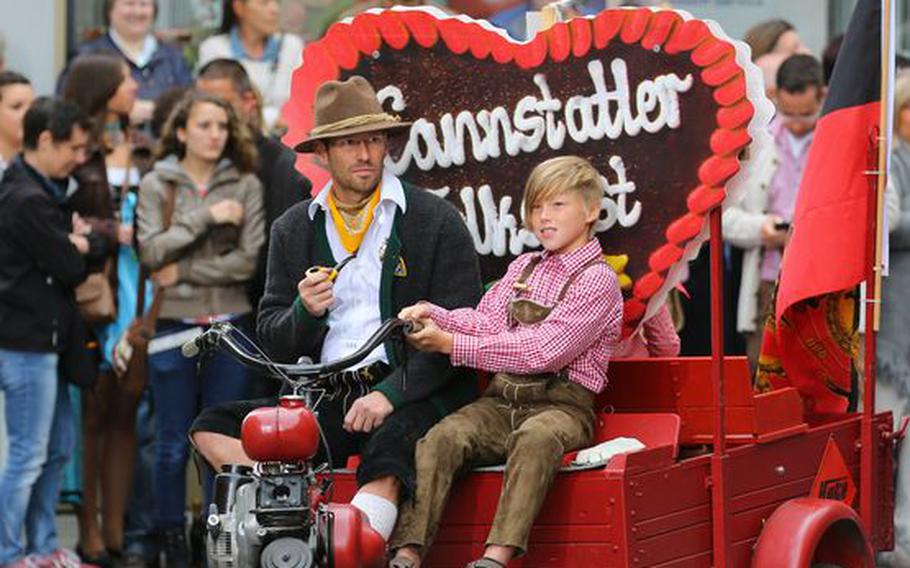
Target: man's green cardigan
pixel 438 264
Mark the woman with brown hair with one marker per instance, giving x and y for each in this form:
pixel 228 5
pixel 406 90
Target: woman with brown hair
pixel 774 36
pixel 204 254
pixel 102 86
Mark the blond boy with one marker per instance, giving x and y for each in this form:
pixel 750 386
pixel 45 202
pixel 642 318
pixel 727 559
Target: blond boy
pixel 547 329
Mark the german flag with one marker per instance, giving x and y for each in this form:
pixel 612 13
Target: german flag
pixel 813 347
pixel 813 336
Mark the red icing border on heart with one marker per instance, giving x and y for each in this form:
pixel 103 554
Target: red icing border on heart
pixel 345 42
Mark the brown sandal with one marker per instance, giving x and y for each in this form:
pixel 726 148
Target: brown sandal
pixel 485 562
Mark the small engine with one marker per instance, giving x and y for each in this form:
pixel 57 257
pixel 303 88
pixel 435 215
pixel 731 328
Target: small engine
pixel 261 520
pixel 274 515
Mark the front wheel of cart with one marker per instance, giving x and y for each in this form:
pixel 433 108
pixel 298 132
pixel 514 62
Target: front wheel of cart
pixel 820 533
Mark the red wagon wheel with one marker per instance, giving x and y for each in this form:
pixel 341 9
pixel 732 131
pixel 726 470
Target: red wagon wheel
pixel 810 532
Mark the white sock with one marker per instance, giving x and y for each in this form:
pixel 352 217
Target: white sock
pixel 381 512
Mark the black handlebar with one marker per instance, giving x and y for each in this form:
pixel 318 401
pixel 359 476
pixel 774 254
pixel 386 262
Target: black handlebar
pixel 221 336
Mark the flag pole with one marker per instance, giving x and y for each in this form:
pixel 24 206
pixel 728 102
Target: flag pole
pixel 882 172
pixel 873 282
pixel 720 490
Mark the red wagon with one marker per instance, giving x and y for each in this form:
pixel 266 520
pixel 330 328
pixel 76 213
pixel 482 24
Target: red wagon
pixel 727 478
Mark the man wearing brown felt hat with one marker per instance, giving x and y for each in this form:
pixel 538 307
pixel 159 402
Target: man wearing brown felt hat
pixel 343 109
pixel 341 263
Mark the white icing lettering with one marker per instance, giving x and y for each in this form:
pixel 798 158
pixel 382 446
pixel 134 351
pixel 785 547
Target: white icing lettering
pixel 394 93
pixel 538 118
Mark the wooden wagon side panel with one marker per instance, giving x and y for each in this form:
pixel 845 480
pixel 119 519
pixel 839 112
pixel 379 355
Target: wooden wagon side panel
pixel 670 509
pixel 581 522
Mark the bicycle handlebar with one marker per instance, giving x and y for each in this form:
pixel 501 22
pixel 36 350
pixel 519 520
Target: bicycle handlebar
pixel 219 336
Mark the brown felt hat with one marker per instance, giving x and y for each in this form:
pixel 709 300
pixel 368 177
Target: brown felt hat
pixel 345 108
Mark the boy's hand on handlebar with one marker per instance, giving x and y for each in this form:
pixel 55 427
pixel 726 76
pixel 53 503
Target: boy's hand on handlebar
pixel 416 312
pixel 316 293
pixel 431 338
pixel 368 413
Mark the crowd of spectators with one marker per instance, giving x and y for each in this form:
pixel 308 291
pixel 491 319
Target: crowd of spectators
pixel 145 191
pixel 138 152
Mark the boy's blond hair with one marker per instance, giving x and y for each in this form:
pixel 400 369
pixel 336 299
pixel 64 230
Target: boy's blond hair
pixel 562 175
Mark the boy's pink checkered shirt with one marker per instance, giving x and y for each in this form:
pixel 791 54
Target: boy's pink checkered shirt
pixel 579 336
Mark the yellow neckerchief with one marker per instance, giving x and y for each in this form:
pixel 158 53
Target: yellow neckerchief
pixel 350 238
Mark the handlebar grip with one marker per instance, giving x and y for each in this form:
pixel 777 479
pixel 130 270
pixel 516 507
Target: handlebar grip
pixel 199 343
pixel 190 349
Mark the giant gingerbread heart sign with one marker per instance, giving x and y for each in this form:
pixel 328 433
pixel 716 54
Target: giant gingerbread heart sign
pixel 659 102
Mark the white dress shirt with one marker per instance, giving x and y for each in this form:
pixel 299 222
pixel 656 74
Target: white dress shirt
pixel 355 314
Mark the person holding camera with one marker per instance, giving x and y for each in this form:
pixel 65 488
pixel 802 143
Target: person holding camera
pixel 759 222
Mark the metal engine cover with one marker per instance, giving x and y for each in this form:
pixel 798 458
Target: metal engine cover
pixel 236 544
pixel 287 552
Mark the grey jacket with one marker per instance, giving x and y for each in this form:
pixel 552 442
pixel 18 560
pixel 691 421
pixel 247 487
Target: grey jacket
pixel 214 262
pixel 893 341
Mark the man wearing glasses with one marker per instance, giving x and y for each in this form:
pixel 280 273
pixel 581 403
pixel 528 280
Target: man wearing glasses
pixel 339 265
pixel 760 221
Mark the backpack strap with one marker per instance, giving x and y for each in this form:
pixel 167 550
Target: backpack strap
pixel 151 317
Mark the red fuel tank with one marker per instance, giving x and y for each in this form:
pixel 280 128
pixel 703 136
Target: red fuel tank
pixel 287 432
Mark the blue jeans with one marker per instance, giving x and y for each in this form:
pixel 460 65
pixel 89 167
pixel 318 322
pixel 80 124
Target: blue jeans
pixel 178 392
pixel 139 537
pixel 41 435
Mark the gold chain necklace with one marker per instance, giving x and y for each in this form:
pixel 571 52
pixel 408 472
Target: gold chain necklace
pixel 353 222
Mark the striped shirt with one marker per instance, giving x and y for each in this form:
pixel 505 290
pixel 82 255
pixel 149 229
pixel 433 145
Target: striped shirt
pixel 578 337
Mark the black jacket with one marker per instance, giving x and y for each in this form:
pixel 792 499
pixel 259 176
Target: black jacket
pixel 39 267
pixel 442 267
pixel 282 187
